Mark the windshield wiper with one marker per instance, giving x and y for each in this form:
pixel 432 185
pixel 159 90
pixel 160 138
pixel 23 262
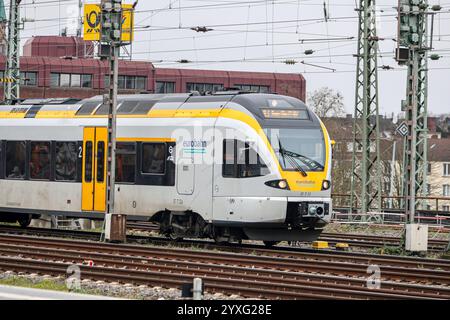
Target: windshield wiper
pixel 312 164
pixel 281 148
pixel 296 165
pixel 291 160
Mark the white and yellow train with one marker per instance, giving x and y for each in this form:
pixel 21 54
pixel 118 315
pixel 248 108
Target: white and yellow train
pixel 228 166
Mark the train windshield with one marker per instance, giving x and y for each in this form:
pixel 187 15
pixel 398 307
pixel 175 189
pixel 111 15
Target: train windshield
pixel 298 149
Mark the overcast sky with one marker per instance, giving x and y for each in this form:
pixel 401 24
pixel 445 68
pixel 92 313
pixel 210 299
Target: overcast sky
pixel 256 35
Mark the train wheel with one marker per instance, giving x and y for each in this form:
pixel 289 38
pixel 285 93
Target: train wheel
pixel 24 221
pixel 270 244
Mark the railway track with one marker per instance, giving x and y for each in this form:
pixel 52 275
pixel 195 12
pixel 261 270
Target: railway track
pixel 370 241
pixel 357 240
pixel 203 244
pixel 258 274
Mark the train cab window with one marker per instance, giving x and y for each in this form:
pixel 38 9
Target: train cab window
pixel 153 158
pixel 40 161
pixel 100 161
pixel 66 156
pixel 88 162
pixel 15 159
pixel 125 162
pixel 240 160
pixel 249 162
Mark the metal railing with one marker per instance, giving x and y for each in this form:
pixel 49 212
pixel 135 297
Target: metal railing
pixel 342 200
pixel 391 214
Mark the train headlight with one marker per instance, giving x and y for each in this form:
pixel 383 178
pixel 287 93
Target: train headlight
pixel 282 184
pixel 326 185
pixel 279 184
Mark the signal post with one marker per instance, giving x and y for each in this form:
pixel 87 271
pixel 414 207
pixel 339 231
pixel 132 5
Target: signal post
pixel 110 43
pixel 412 51
pixel 110 31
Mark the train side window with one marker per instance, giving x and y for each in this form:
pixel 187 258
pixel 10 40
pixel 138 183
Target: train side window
pixel 66 155
pixel 240 160
pixel 125 162
pixel 229 160
pixel 2 165
pixel 40 161
pixel 249 162
pixel 100 161
pixel 88 162
pixel 153 158
pixel 15 159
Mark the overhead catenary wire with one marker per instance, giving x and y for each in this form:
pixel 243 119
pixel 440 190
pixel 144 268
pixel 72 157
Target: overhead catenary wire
pixel 276 26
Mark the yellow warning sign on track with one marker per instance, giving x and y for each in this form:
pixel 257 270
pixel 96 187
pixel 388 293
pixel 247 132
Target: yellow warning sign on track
pixel 92 20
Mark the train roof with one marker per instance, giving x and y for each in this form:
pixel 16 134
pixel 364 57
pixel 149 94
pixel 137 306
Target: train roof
pixel 269 109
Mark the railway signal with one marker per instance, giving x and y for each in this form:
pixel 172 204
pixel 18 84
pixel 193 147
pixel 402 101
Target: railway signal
pixel 111 23
pixel 412 51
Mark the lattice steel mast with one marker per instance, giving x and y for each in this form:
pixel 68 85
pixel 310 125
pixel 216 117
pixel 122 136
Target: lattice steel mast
pixel 366 170
pixel 12 71
pixel 413 51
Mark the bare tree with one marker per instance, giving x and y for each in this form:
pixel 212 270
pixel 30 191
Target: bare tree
pixel 326 103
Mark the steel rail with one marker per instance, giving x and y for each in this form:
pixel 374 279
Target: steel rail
pixel 281 251
pixel 288 285
pixel 280 279
pixel 419 274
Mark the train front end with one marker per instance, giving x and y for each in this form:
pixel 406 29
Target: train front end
pixel 301 150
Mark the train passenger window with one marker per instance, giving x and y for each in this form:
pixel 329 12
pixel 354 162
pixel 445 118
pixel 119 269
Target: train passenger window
pixel 66 156
pixel 153 158
pixel 125 162
pixel 88 162
pixel 100 161
pixel 240 160
pixel 229 162
pixel 2 174
pixel 15 159
pixel 40 161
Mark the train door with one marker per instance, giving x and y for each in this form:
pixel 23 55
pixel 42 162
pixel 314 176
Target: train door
pixel 94 169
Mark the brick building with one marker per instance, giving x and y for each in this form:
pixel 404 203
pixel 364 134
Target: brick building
pixel 53 66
